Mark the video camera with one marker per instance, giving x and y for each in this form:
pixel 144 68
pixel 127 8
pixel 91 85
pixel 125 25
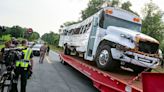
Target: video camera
pixel 11 55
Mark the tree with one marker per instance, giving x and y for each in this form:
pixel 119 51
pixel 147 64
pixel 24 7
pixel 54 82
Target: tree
pixel 152 23
pixel 70 23
pixel 126 6
pixel 33 36
pixel 91 9
pixel 51 38
pixel 18 32
pixel 115 3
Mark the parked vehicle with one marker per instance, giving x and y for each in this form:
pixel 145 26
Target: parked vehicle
pixel 30 44
pixel 36 49
pixel 112 37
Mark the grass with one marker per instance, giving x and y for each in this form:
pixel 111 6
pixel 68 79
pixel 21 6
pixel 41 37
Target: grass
pixel 158 70
pixel 56 49
pixel 1 46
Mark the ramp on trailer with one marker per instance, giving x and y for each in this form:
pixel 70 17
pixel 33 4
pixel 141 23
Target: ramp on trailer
pixel 104 81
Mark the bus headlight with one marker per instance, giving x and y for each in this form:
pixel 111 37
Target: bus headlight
pixel 127 37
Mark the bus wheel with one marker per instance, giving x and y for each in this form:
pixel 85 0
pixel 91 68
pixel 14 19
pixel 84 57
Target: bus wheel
pixel 104 59
pixel 67 51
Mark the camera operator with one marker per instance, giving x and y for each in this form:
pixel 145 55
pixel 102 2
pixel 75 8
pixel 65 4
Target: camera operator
pixel 2 57
pixel 23 67
pixel 7 45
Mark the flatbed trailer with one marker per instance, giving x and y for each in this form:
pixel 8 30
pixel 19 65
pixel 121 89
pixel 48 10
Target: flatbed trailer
pixel 105 81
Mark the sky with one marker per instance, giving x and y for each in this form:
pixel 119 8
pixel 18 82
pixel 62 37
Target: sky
pixel 44 16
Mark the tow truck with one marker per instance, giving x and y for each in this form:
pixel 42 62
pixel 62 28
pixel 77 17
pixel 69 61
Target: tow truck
pixel 121 81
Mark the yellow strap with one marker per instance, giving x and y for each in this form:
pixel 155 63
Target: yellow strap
pixel 22 64
pixel 27 54
pixel 17 63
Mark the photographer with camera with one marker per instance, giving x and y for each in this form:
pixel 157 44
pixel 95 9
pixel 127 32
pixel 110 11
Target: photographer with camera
pixel 23 68
pixel 2 56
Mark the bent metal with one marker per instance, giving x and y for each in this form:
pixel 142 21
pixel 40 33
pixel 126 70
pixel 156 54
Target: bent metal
pixel 112 38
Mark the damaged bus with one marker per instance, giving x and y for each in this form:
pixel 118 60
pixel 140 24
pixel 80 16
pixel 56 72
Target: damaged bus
pixel 112 38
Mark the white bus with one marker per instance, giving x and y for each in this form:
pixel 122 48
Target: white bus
pixel 112 38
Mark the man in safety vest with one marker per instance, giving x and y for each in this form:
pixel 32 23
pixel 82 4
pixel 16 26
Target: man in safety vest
pixel 23 67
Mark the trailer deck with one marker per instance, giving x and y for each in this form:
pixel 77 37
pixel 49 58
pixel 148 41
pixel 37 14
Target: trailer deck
pixel 105 81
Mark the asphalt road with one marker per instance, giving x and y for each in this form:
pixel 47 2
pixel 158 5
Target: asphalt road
pixel 52 76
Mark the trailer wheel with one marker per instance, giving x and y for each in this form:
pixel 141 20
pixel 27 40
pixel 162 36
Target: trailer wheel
pixel 104 58
pixel 63 62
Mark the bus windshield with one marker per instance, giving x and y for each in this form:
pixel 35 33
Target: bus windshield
pixel 113 21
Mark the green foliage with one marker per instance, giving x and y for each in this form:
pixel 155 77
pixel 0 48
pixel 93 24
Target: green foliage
pixel 1 46
pixel 152 22
pixel 6 37
pixel 93 7
pixel 33 36
pixel 162 46
pixel 115 3
pixel 126 6
pixel 18 32
pixel 68 23
pixel 51 38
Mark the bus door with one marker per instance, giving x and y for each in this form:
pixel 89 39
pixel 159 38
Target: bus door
pixel 92 37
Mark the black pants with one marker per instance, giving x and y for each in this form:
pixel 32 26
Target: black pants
pixel 23 74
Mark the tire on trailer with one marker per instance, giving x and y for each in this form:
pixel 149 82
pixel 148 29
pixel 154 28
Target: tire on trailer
pixel 104 58
pixel 63 62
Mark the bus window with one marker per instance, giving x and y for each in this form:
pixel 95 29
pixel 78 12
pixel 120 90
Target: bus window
pixel 101 22
pixel 88 26
pixel 81 29
pixel 114 21
pixel 85 28
pixel 70 32
pixel 77 31
pixel 64 32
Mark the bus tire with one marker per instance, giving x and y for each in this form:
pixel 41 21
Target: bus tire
pixel 104 58
pixel 67 51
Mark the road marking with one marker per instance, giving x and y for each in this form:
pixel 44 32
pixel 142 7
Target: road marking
pixel 49 61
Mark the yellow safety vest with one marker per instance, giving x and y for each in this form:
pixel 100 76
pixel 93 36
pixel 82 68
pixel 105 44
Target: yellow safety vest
pixel 24 63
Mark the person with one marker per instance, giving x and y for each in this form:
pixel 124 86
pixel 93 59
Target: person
pixel 43 50
pixel 48 49
pixel 2 54
pixel 23 67
pixel 7 45
pixel 14 42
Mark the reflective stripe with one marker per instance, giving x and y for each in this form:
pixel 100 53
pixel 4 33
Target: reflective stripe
pixel 27 54
pixel 18 63
pixel 23 63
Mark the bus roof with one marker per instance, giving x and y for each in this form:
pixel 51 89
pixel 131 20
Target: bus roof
pixel 113 11
pixel 122 14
